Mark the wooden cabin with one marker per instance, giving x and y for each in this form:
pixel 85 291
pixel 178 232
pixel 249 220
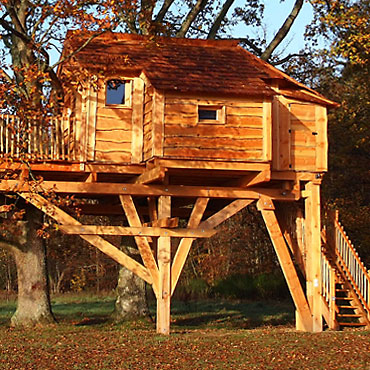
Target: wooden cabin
pixel 161 129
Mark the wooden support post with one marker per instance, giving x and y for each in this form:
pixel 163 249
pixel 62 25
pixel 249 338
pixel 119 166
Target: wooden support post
pixel 304 320
pixel 313 250
pixel 164 266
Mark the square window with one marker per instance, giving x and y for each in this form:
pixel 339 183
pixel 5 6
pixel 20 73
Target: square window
pixel 117 92
pixel 211 114
pixel 207 114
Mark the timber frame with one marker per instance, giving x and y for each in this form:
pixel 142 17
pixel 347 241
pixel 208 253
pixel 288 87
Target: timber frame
pixel 151 207
pixel 155 158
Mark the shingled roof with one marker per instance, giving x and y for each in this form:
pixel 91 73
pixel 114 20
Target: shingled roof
pixel 184 65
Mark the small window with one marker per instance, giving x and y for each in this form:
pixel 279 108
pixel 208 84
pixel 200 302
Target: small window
pixel 116 92
pixel 207 114
pixel 211 114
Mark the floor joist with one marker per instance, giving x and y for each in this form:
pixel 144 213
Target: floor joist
pixel 101 188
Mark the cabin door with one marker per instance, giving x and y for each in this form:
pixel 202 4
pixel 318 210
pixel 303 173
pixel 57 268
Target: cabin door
pixel 300 141
pixel 302 136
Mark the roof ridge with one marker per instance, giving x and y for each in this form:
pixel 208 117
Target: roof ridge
pixel 119 36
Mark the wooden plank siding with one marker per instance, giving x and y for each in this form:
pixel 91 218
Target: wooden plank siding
pixel 299 136
pixel 240 135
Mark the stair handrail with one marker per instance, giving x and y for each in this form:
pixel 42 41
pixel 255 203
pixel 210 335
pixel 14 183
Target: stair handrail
pixel 352 264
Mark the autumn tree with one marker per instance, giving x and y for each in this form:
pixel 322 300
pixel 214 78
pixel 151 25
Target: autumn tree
pixel 344 76
pixel 31 90
pixel 32 32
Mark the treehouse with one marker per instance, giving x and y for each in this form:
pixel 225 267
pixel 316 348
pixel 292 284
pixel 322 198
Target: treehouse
pixel 158 130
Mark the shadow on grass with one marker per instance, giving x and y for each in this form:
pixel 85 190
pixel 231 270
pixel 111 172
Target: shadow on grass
pixel 192 315
pixel 84 313
pixel 243 315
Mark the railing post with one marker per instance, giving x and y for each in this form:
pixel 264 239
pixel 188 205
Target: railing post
pixel 332 303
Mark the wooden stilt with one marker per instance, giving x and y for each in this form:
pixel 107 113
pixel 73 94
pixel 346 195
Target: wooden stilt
pixel 313 250
pixel 164 266
pixel 304 321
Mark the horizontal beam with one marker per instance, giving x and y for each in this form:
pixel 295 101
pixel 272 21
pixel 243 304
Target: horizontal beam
pixel 101 188
pixel 135 231
pixel 211 165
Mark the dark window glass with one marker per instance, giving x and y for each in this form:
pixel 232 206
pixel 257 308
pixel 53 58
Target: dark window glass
pixel 115 92
pixel 207 114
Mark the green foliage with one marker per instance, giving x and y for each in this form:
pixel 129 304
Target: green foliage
pixel 192 289
pixel 262 286
pixel 236 286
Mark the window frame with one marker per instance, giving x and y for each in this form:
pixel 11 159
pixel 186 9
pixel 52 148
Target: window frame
pixel 128 92
pixel 220 114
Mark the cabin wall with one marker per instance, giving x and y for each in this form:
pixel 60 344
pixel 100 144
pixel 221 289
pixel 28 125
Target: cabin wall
pixel 299 136
pixel 241 132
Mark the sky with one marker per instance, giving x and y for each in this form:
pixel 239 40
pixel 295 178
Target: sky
pixel 275 14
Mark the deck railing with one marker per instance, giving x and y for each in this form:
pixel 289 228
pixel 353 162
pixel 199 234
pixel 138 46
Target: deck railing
pixel 328 281
pixel 352 265
pixel 30 140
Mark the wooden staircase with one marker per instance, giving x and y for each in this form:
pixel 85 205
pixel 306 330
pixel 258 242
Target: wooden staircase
pixel 345 280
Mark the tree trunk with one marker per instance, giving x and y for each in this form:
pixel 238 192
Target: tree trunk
pixel 131 300
pixel 33 306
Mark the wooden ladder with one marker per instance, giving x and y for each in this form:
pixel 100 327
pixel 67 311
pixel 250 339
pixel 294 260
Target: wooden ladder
pixel 345 280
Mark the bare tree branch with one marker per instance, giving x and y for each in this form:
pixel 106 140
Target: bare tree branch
pixel 69 56
pixel 13 31
pixel 220 17
pixel 283 31
pixel 285 59
pixel 195 10
pixel 163 11
pixel 146 15
pixel 251 44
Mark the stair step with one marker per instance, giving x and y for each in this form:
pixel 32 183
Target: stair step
pixel 351 324
pixel 344 298
pixel 349 315
pixel 353 307
pixel 342 290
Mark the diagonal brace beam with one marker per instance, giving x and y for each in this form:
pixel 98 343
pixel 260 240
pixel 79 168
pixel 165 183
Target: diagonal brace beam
pixel 185 243
pixel 265 205
pixel 142 242
pixel 103 245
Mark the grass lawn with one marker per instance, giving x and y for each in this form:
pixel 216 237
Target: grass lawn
pixel 205 335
